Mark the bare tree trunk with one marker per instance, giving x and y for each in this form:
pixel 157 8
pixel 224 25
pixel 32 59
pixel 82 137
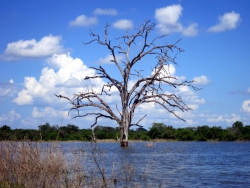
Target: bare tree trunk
pixel 93 137
pixel 124 137
pixel 124 129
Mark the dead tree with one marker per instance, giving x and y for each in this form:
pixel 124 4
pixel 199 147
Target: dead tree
pixel 146 89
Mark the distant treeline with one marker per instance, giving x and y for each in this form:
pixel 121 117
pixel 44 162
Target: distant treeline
pixel 46 132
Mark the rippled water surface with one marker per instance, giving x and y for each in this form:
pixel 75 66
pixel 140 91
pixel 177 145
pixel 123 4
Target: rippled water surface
pixel 180 164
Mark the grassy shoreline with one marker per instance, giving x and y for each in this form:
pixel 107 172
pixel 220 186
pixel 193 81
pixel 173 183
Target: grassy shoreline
pixel 34 164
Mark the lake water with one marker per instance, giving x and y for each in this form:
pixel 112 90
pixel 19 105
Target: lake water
pixel 177 164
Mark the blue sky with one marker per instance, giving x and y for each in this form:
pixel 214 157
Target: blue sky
pixel 42 54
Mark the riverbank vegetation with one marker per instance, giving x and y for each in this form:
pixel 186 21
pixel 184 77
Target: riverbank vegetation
pixel 47 132
pixel 28 164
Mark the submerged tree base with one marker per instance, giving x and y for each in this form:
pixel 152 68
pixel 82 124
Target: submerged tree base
pixel 124 143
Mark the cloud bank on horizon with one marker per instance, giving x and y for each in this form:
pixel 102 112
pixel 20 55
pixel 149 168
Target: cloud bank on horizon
pixel 64 74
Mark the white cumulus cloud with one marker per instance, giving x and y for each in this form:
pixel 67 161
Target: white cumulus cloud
pixel 123 24
pixel 100 11
pixel 246 106
pixel 109 58
pixel 47 46
pixel 168 18
pixel 169 70
pixel 226 22
pixel 23 98
pixel 65 75
pixel 10 117
pixel 83 20
pixel 7 89
pixel 224 118
pixel 168 21
pixel 169 73
pixel 191 30
pixel 48 112
pixel 201 80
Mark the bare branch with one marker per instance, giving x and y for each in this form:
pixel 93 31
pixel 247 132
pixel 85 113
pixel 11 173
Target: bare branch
pixel 137 124
pixel 77 103
pixel 108 44
pixel 103 74
pixel 98 115
pixel 118 110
